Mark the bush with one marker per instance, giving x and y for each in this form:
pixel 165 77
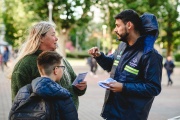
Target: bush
pixel 82 54
pixel 177 57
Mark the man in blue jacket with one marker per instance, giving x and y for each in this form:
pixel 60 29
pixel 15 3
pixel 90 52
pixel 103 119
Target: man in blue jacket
pixel 139 68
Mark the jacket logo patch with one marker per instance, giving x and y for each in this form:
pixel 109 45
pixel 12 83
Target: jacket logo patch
pixel 118 57
pixel 134 62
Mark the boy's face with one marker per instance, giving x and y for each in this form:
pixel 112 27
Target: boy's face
pixel 59 72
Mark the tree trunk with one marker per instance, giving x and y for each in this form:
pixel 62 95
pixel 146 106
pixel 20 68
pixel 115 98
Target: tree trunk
pixel 169 39
pixel 63 37
pixel 169 49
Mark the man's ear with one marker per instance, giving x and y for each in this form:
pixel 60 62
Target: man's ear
pixel 129 25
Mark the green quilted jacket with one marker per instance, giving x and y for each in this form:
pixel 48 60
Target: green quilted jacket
pixel 26 70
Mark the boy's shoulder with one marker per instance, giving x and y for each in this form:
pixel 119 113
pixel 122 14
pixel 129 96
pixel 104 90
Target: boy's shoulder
pixel 47 88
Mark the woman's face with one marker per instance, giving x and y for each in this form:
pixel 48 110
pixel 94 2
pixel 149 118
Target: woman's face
pixel 49 41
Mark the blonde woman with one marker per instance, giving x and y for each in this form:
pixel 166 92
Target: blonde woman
pixel 42 37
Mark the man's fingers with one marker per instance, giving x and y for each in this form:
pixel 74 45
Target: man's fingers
pixel 93 50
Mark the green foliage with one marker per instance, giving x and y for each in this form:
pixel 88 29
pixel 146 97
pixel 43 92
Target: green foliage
pixel 21 14
pixel 66 8
pixel 1 13
pixel 79 34
pixel 88 35
pixel 166 12
pixel 16 21
pixel 91 43
pixel 10 29
pixel 177 63
pixel 39 8
pixel 177 57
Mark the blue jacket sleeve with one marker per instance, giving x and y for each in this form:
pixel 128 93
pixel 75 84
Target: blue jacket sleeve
pixel 151 83
pixel 105 62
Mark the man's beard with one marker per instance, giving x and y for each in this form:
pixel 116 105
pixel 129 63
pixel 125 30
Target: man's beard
pixel 122 37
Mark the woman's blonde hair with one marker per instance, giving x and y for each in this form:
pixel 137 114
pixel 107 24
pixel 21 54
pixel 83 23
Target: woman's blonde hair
pixel 33 41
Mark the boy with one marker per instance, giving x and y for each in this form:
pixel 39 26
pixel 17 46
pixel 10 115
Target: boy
pixel 51 70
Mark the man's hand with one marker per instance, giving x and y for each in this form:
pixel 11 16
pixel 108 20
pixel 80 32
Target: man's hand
pixel 82 85
pixel 94 51
pixel 115 86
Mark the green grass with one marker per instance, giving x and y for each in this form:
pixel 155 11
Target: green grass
pixel 177 64
pixel 77 61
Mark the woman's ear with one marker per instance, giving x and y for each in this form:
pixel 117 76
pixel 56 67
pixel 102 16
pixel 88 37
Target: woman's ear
pixel 41 39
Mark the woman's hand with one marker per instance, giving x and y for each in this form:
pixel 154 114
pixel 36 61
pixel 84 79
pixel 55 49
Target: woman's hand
pixel 82 85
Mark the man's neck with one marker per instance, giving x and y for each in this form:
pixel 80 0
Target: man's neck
pixel 132 38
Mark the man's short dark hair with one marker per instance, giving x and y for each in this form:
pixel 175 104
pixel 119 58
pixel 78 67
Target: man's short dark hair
pixel 132 16
pixel 47 61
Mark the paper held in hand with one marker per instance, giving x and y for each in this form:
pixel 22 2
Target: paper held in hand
pixel 104 83
pixel 80 78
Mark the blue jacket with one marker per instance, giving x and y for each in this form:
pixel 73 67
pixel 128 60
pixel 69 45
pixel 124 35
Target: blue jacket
pixel 6 56
pixel 169 65
pixel 48 89
pixel 141 81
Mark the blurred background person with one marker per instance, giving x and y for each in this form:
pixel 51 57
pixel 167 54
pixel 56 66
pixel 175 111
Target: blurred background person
pixel 1 62
pixel 169 66
pixel 5 55
pixel 93 65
